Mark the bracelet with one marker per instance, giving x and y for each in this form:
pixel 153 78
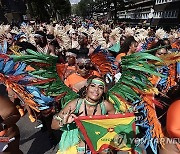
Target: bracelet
pixel 58 118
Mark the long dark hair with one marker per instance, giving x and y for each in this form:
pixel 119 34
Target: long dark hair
pixel 127 43
pixel 161 42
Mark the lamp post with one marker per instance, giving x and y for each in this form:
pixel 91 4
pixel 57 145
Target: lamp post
pixel 150 16
pixel 88 10
pixel 111 11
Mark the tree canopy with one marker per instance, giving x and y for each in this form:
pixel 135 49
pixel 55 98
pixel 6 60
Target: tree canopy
pixel 88 7
pixel 46 9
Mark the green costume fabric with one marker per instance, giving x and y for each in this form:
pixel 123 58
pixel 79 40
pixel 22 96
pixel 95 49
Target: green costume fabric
pixel 115 47
pixel 71 135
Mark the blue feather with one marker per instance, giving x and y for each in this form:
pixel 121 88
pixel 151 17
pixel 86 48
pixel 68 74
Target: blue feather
pixel 39 97
pixel 1 64
pixel 9 65
pixel 20 69
pixel 43 107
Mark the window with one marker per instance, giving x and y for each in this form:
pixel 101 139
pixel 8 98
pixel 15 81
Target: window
pixel 163 1
pixel 166 14
pixel 170 14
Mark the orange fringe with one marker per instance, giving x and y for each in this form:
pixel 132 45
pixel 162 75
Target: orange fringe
pixel 152 117
pixel 148 98
pixel 20 92
pixel 171 82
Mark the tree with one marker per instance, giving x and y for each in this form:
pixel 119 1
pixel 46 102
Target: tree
pixel 46 9
pixel 85 7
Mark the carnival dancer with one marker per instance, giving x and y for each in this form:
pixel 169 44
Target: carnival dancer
pixel 125 95
pixel 91 104
pixel 128 47
pixel 41 42
pixel 84 70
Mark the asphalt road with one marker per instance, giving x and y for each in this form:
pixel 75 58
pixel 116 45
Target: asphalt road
pixel 34 141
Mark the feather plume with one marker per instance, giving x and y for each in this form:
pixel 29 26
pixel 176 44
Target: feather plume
pixel 101 62
pixel 115 34
pixel 157 129
pixel 168 59
pixel 160 34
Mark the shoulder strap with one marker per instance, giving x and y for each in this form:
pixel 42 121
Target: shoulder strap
pixel 103 108
pixel 78 104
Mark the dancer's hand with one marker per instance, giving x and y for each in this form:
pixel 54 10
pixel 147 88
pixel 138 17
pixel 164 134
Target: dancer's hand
pixel 68 117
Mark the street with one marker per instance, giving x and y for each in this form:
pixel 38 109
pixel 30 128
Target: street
pixel 33 141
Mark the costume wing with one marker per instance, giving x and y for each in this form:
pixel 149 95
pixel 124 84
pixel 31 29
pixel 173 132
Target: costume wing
pixel 170 58
pixel 45 69
pixel 135 71
pixel 12 74
pixel 131 93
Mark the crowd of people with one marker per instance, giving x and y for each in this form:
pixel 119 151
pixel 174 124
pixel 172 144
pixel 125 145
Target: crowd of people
pixel 74 46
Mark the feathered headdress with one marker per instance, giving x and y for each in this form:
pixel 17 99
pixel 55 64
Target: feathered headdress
pixel 160 34
pixel 98 37
pixel 50 29
pixel 115 34
pixel 61 33
pixel 141 35
pixel 129 31
pixel 91 31
pixel 82 29
pixel 4 29
pixel 15 30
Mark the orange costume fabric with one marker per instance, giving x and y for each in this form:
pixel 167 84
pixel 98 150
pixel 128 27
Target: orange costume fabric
pixel 172 76
pixel 119 56
pixel 29 68
pixel 175 45
pixel 173 121
pixel 64 70
pixel 75 79
pixel 154 79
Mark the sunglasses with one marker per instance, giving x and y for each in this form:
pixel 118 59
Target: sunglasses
pixel 86 66
pixel 75 34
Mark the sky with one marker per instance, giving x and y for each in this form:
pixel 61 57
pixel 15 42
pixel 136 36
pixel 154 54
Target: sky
pixel 74 1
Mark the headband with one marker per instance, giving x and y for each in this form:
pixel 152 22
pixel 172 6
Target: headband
pixel 99 82
pixel 71 54
pixel 82 60
pixel 38 35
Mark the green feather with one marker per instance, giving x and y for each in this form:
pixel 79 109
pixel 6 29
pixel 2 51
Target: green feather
pixel 139 68
pixel 154 49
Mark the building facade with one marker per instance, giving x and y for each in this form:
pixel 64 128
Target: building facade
pixel 151 12
pixel 166 12
pixel 136 11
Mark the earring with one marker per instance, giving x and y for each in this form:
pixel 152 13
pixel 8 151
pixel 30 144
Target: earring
pixel 84 93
